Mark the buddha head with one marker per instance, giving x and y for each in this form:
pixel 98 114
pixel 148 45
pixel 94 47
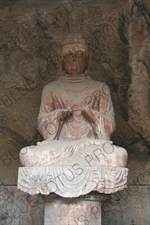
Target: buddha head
pixel 74 55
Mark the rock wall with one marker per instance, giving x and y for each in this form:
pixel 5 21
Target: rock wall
pixel 118 36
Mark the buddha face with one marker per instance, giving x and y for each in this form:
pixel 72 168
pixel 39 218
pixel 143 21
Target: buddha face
pixel 74 59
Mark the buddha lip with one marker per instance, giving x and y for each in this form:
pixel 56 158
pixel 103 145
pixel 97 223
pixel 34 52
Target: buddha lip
pixel 74 67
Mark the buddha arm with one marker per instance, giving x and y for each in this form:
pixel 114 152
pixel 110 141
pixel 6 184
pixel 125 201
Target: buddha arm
pixel 105 118
pixel 48 118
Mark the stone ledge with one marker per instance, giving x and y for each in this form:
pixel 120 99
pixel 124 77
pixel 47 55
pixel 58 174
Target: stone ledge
pixel 92 196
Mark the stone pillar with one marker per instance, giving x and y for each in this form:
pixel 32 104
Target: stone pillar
pixel 84 210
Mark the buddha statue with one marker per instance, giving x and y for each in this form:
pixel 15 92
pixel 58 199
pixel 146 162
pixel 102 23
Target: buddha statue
pixel 76 120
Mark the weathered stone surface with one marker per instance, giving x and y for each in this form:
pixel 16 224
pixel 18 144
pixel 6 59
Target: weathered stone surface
pixel 73 211
pixel 118 34
pixel 130 206
pixel 17 207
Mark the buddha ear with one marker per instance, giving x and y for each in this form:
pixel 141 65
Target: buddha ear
pixel 61 61
pixel 88 59
pixel 61 58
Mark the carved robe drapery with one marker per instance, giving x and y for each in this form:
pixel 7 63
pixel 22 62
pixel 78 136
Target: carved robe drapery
pixel 76 163
pixel 74 96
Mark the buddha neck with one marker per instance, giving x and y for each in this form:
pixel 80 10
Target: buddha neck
pixel 76 85
pixel 75 78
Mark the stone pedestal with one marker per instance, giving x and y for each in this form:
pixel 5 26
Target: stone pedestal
pixel 84 210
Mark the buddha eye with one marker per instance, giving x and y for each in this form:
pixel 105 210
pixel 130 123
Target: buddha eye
pixel 72 55
pixel 68 57
pixel 79 53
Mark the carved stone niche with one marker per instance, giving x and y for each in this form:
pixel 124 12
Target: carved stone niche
pixel 83 210
pixel 76 157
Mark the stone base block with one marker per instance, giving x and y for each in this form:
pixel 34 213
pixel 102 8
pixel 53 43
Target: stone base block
pixel 84 210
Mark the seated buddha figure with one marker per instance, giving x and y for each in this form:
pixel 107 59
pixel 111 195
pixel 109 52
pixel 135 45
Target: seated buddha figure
pixel 76 117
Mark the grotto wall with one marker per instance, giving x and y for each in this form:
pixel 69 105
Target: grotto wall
pixel 118 36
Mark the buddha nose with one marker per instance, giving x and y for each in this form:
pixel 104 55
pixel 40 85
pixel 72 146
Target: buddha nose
pixel 74 57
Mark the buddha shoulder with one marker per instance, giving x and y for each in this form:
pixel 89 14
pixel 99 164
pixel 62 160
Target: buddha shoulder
pixel 51 87
pixel 98 85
